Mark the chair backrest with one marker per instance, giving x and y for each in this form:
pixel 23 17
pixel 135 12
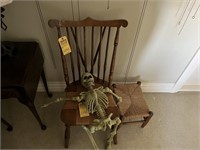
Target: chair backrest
pixel 94 46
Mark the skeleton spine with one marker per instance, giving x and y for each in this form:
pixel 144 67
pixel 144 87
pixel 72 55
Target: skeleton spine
pixel 101 113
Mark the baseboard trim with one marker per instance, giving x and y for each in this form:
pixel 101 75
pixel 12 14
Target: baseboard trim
pixel 191 88
pixel 146 87
pixel 53 87
pixel 157 87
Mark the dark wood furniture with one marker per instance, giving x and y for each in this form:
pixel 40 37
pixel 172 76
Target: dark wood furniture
pixel 9 127
pixel 133 108
pixel 20 74
pixel 94 47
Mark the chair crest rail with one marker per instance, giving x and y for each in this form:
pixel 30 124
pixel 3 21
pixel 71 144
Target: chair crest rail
pixel 87 22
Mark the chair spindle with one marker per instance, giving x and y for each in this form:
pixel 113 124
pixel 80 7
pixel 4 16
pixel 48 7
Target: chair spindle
pixel 71 57
pixel 78 55
pixel 113 56
pixel 78 48
pixel 99 59
pixel 96 54
pixel 106 54
pixel 92 49
pixel 64 62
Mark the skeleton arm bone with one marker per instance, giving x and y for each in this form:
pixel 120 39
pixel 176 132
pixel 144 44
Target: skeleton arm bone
pixel 107 90
pixel 76 98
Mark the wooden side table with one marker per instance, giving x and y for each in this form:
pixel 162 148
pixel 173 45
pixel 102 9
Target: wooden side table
pixel 20 73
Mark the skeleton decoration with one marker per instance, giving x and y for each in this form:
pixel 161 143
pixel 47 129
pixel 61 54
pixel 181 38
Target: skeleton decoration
pixel 96 101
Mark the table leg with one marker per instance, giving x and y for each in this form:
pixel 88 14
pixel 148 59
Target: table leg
pixel 32 108
pixel 9 127
pixel 45 83
pixel 67 135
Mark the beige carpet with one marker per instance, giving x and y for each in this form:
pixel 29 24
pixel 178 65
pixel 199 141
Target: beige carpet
pixel 175 125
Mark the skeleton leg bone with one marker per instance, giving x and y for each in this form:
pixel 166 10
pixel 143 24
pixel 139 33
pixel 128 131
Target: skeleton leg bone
pixel 101 125
pixel 91 137
pixel 116 122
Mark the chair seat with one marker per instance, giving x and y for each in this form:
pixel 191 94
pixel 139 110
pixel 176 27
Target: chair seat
pixel 133 106
pixel 70 111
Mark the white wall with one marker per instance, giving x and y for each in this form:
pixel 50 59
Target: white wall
pixel 160 55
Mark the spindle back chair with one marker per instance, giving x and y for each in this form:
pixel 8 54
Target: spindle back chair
pixel 94 46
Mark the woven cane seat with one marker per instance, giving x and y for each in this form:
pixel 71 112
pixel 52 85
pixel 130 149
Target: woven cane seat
pixel 133 106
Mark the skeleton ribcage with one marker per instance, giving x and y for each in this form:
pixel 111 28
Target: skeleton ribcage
pixel 96 101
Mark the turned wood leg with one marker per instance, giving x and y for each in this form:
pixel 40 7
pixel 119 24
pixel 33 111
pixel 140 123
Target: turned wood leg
pixel 45 83
pixel 67 135
pixel 115 139
pixel 146 119
pixel 32 108
pixel 9 127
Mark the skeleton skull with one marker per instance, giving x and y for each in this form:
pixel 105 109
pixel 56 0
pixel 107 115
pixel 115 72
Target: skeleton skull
pixel 87 80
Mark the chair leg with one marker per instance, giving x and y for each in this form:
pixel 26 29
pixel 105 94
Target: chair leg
pixel 146 119
pixel 9 127
pixel 31 106
pixel 67 135
pixel 45 83
pixel 115 137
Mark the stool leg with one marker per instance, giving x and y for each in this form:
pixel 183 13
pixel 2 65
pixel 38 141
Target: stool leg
pixel 32 108
pixel 67 135
pixel 146 119
pixel 9 127
pixel 45 83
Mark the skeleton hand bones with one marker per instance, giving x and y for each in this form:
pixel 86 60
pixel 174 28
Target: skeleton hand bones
pixel 108 90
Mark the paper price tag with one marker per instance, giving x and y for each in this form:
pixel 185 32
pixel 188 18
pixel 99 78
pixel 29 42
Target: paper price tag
pixel 83 110
pixel 64 44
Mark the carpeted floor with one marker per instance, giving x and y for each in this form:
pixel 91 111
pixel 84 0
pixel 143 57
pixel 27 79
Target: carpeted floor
pixel 175 125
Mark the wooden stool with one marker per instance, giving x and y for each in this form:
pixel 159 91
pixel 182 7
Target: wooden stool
pixel 133 107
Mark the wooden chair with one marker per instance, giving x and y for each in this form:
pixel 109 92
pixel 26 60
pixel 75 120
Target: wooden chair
pixel 94 47
pixel 133 108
